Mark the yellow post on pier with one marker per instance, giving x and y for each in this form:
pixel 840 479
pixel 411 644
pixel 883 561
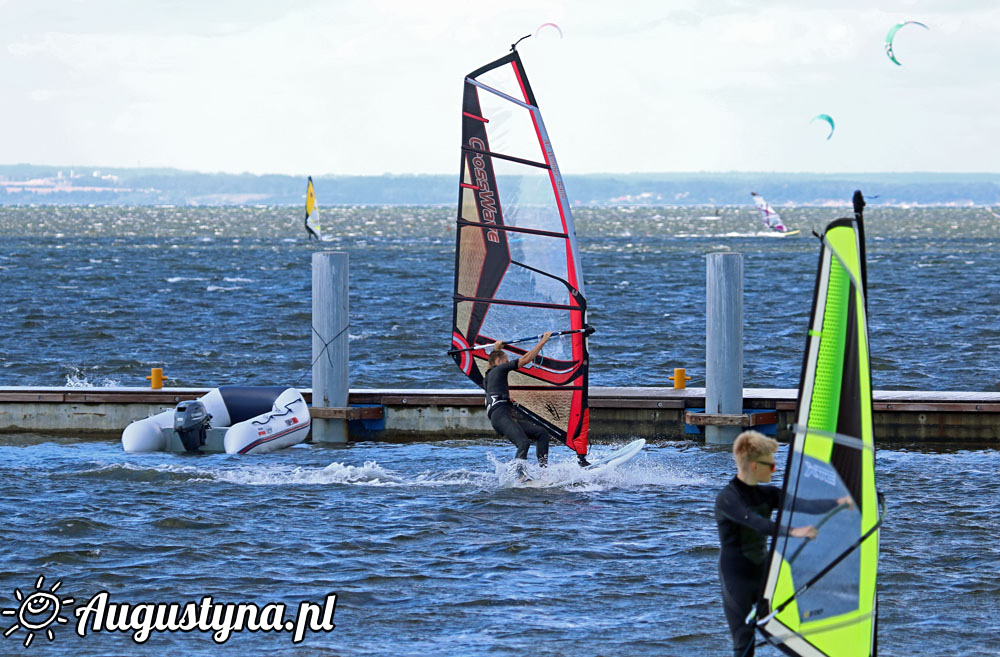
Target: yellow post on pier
pixel 156 378
pixel 680 378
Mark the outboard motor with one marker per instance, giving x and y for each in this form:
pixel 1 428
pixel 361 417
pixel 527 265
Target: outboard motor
pixel 191 424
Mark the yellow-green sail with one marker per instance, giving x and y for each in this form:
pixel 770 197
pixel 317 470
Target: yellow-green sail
pixel 819 598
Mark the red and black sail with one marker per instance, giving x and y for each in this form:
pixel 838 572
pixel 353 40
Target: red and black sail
pixel 517 267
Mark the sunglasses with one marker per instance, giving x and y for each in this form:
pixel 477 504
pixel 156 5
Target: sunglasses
pixel 771 464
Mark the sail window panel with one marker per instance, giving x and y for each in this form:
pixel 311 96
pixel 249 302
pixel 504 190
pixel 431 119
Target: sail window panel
pixel 510 128
pixel 523 284
pixel 836 592
pixel 545 254
pixel 527 197
pixel 508 322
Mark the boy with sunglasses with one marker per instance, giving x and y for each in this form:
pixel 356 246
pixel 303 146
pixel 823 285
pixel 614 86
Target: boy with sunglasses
pixel 743 512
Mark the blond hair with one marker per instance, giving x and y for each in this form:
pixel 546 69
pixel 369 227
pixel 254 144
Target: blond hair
pixel 750 446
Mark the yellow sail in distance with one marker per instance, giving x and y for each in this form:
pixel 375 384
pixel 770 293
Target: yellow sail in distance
pixel 819 599
pixel 312 214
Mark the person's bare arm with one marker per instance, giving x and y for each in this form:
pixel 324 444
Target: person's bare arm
pixel 808 531
pixel 530 356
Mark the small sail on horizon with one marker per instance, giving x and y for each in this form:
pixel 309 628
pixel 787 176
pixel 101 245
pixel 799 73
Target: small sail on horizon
pixel 819 599
pixel 517 265
pixel 312 223
pixel 772 220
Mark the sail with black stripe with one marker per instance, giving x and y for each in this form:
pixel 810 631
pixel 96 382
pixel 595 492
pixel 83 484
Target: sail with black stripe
pixel 819 598
pixel 312 213
pixel 517 265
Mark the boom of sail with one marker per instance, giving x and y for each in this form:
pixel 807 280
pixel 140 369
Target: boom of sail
pixel 517 266
pixel 819 598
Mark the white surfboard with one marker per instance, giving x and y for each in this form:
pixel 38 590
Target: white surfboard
pixel 619 456
pixel 612 460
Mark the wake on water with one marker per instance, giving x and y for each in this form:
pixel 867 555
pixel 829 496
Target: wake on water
pixel 564 474
pixel 561 474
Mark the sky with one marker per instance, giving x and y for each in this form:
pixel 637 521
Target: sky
pixel 336 87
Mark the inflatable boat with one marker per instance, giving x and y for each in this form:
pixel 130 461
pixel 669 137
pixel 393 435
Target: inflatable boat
pixel 230 419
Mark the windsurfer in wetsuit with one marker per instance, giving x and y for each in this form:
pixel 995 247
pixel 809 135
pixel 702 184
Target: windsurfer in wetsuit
pixel 508 420
pixel 743 512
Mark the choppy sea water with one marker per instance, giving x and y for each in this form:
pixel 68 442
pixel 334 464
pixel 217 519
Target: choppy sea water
pixel 218 296
pixel 432 549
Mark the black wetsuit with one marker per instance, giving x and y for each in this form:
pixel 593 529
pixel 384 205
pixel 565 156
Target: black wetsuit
pixel 743 513
pixel 508 420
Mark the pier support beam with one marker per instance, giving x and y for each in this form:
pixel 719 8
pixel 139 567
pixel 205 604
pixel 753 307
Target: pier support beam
pixel 330 321
pixel 723 343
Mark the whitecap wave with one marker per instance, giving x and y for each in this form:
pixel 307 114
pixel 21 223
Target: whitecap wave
pixel 79 380
pixel 369 474
pixel 568 475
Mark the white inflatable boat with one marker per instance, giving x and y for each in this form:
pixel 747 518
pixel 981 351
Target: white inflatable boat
pixel 231 419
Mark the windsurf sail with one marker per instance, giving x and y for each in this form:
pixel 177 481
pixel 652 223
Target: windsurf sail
pixel 771 218
pixel 517 265
pixel 312 213
pixel 819 598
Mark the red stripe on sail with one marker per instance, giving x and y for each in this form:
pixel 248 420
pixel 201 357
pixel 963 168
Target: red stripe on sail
pixel 546 147
pixel 458 341
pixel 579 416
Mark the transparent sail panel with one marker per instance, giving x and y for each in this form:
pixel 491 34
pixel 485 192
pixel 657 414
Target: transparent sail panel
pixel 510 129
pixel 817 487
pixel 527 197
pixel 510 322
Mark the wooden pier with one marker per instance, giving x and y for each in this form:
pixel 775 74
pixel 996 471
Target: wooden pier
pixel 954 418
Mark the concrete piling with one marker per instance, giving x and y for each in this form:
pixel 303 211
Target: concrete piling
pixel 330 323
pixel 723 342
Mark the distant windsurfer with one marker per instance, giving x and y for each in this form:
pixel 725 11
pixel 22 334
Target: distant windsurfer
pixel 507 419
pixel 743 512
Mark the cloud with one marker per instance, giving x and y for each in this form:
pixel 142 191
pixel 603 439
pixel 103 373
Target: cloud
pixel 309 86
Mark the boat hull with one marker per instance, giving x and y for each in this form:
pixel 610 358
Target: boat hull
pixel 245 420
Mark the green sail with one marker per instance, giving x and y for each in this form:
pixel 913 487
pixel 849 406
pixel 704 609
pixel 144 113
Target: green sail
pixel 819 598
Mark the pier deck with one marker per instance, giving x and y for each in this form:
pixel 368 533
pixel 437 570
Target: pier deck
pixel 422 415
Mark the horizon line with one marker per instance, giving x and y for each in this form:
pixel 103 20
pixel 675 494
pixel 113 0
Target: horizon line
pixel 565 173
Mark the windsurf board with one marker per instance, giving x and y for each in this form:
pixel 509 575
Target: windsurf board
pixel 612 460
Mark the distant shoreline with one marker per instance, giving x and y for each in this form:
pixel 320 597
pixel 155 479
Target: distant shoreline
pixel 25 184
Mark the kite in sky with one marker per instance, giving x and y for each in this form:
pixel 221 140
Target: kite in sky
pixel 827 118
pixel 892 35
